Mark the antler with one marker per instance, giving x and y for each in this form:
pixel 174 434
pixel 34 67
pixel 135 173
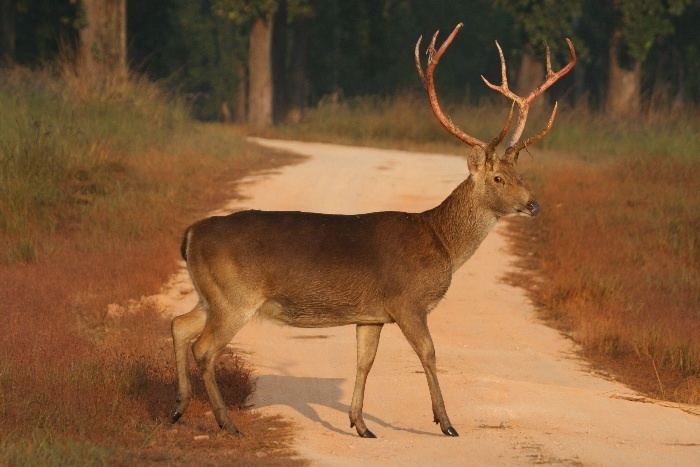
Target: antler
pixel 524 102
pixel 428 79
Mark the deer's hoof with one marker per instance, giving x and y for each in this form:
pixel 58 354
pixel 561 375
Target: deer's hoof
pixel 450 431
pixel 175 415
pixel 231 429
pixel 367 434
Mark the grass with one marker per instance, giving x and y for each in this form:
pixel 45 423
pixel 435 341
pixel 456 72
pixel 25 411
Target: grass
pixel 45 450
pixel 614 259
pixel 406 122
pixel 97 182
pixel 617 262
pixel 65 155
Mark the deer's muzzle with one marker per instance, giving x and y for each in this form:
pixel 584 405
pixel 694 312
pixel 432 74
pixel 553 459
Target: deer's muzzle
pixel 533 207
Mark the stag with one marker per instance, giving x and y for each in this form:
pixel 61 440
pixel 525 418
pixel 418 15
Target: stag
pixel 318 270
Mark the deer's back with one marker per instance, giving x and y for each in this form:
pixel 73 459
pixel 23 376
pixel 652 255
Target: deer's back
pixel 322 269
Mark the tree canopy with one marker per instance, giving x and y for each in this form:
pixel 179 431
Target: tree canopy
pixel 364 47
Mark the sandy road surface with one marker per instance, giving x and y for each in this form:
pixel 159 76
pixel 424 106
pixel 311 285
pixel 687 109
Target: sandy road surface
pixel 513 387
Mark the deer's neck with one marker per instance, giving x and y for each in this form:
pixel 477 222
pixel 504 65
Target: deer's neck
pixel 461 222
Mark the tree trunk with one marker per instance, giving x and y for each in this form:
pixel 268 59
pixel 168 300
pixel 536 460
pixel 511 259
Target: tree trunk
pixel 530 74
pixel 260 103
pixel 298 84
pixel 8 8
pixel 581 95
pixel 623 84
pixel 279 60
pixel 103 39
pixel 679 98
pixel 240 99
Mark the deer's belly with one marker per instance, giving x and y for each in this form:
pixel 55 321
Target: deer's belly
pixel 322 315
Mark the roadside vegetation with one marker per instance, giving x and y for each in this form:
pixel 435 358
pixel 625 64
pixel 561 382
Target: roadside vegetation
pixel 614 258
pixel 97 182
pixel 406 121
pixel 614 262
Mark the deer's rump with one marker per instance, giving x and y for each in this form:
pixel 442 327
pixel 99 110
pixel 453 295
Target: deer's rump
pixel 317 270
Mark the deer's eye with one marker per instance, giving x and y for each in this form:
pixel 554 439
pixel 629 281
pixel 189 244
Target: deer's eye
pixel 498 179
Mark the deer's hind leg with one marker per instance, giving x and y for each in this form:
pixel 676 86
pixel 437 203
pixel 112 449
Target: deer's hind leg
pixel 224 320
pixel 184 329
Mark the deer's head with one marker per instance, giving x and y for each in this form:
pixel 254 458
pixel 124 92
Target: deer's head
pixel 496 182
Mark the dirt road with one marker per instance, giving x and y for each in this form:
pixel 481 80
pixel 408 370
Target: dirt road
pixel 513 387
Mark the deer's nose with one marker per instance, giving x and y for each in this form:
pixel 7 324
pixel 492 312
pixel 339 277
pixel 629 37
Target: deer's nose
pixel 533 207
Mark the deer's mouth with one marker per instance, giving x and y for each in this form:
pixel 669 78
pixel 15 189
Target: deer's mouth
pixel 532 208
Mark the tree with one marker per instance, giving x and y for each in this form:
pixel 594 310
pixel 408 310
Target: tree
pixel 298 86
pixel 279 60
pixel 540 22
pixel 103 36
pixel 260 84
pixel 8 9
pixel 267 70
pixel 189 47
pixel 637 26
pixel 290 42
pixel 685 52
pixel 259 15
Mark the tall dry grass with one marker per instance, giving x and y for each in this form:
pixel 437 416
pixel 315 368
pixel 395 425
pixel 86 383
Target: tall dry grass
pixel 616 254
pixel 97 182
pixel 614 259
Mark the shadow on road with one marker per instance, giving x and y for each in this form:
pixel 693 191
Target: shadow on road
pixel 302 393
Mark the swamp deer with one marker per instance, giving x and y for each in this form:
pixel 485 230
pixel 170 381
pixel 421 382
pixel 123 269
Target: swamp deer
pixel 318 270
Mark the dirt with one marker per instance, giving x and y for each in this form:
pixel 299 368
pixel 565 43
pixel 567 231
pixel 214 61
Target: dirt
pixel 514 388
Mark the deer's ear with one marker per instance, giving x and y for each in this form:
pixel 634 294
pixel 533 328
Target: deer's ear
pixel 476 158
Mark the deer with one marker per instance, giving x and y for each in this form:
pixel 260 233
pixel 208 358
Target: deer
pixel 314 270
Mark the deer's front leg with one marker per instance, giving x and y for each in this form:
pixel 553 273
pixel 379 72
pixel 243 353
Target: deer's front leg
pixel 367 342
pixel 415 328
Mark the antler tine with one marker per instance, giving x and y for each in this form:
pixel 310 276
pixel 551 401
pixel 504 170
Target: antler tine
pixel 419 67
pixel 504 70
pixel 554 77
pixel 503 88
pixel 537 137
pixel 431 48
pixel 523 109
pixel 427 77
pixel 506 127
pixel 524 103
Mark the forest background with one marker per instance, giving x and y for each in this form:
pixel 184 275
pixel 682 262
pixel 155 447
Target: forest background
pixel 108 149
